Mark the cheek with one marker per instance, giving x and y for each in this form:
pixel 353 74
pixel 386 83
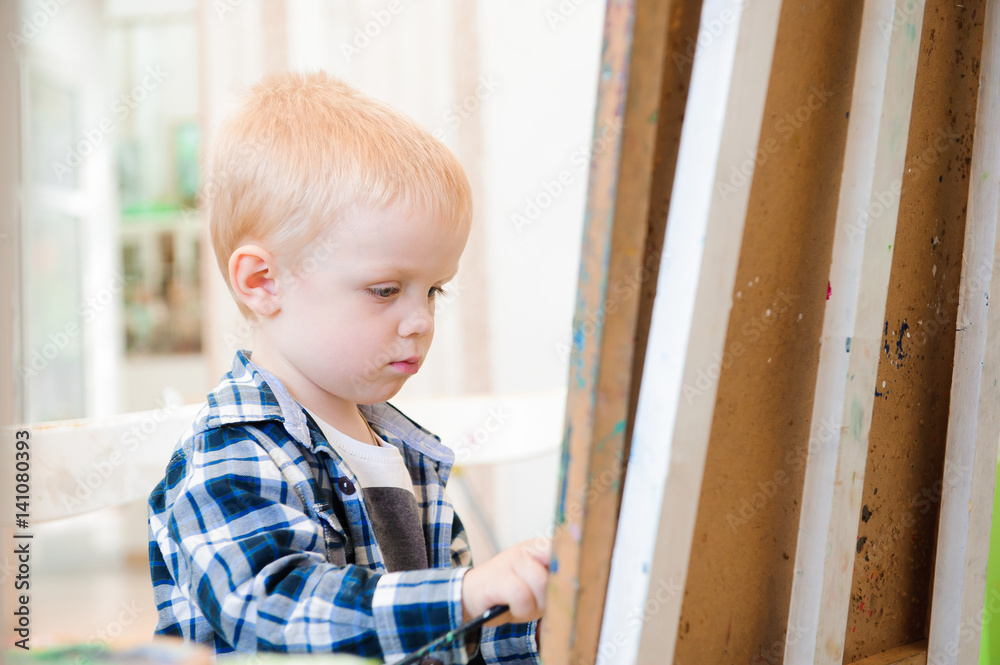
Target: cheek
pixel 360 346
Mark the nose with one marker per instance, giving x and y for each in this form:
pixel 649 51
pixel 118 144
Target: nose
pixel 419 321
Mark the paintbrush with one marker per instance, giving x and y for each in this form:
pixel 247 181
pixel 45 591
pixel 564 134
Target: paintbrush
pixel 452 635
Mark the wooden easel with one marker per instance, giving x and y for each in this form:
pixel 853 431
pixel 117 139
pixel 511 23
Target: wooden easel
pixel 803 350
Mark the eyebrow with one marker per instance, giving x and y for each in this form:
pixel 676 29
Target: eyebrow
pixel 396 273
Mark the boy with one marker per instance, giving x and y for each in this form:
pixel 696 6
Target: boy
pixel 300 512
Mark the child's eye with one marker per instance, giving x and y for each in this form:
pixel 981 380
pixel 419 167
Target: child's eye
pixel 383 291
pixel 435 291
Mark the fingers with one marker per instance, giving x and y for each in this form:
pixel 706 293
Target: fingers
pixel 516 577
pixel 526 591
pixel 540 549
pixel 535 577
pixel 522 601
pixel 477 594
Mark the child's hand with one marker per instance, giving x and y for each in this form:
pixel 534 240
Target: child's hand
pixel 516 577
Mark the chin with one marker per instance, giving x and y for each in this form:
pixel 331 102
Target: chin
pixel 383 396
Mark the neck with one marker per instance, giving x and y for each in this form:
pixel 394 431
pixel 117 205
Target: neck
pixel 342 414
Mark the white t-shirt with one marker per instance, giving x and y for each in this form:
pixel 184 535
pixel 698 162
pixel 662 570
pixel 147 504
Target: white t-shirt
pixel 387 490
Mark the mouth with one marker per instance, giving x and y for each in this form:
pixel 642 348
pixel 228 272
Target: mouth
pixel 408 366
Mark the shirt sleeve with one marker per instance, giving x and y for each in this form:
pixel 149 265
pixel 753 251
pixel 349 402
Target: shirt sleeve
pixel 510 643
pixel 244 550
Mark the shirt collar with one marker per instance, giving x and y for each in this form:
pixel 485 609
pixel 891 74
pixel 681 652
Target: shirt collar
pixel 249 393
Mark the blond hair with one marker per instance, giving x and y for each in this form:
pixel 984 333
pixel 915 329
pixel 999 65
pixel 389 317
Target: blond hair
pixel 302 150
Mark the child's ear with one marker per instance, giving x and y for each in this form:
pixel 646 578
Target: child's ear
pixel 252 278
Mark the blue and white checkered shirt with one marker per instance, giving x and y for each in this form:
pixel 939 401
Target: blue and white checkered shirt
pixel 260 540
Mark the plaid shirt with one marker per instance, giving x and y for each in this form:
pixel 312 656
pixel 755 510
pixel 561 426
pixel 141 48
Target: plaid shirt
pixel 260 540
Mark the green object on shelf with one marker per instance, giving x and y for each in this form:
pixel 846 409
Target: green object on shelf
pixel 150 210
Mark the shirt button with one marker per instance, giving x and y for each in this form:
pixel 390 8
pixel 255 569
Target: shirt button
pixel 345 485
pixel 430 660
